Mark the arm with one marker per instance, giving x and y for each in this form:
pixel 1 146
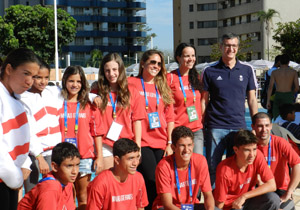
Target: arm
pixel 209 201
pixel 167 202
pixel 252 102
pixel 170 128
pixel 269 186
pixel 219 205
pixel 296 83
pixel 43 165
pixel 138 132
pixel 270 89
pixel 204 102
pixel 98 163
pixel 295 178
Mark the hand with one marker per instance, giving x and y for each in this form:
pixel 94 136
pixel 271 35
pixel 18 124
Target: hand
pixel 98 165
pixel 168 150
pixel 98 101
pixel 268 105
pixel 25 172
pixel 239 202
pixel 43 165
pixel 286 196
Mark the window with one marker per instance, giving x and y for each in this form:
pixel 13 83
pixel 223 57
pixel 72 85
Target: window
pixel 232 3
pixel 191 8
pixel 240 19
pixel 203 59
pixel 192 41
pixel 248 1
pixel 232 21
pixel 248 57
pixel 224 23
pixel 208 41
pixel 248 18
pixel 259 55
pixel 207 24
pixel 240 2
pixel 191 25
pixel 224 5
pixel 206 7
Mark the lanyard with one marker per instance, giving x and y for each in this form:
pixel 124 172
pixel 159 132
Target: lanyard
pixel 50 178
pixel 182 88
pixel 66 117
pixel 114 105
pixel 146 98
pixel 178 184
pixel 269 153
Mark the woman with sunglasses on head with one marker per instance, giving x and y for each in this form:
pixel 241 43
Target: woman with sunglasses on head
pixel 157 104
pixel 120 107
pixel 186 87
pixel 17 72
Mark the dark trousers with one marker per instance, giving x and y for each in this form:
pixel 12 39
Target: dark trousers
pixel 8 197
pixel 150 159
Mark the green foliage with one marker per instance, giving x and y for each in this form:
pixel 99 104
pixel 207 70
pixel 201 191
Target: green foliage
pixel 145 40
pixel 96 58
pixel 288 36
pixel 241 55
pixel 33 27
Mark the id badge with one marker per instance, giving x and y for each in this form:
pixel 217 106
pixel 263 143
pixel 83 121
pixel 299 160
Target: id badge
pixel 72 141
pixel 192 113
pixel 154 120
pixel 187 206
pixel 114 131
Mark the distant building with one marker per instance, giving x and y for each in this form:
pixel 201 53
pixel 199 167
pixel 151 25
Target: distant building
pixel 108 25
pixel 203 22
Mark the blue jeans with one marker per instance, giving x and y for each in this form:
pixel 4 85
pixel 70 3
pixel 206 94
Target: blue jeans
pixel 198 142
pixel 217 141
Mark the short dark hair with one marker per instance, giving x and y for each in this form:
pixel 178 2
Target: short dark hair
pixel 244 137
pixel 181 132
pixel 286 109
pixel 284 59
pixel 44 65
pixel 230 36
pixel 63 151
pixel 124 146
pixel 260 115
pixel 277 59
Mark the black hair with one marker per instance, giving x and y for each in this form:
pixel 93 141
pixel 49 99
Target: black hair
pixel 277 59
pixel 63 151
pixel 181 132
pixel 19 57
pixel 194 78
pixel 124 146
pixel 260 115
pixel 284 59
pixel 286 109
pixel 44 65
pixel 244 137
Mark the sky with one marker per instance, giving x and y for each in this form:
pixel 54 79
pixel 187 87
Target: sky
pixel 159 17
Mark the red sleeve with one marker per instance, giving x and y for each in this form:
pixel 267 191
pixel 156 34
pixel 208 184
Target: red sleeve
pixel 95 197
pixel 48 200
pixel 141 197
pixel 262 167
pixel 290 153
pixel 163 177
pixel 169 111
pixel 96 127
pixel 205 178
pixel 221 190
pixel 138 112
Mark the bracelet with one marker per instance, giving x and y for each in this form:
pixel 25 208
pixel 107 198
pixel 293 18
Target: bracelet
pixel 169 142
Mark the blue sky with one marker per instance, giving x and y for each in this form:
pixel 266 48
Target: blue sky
pixel 159 15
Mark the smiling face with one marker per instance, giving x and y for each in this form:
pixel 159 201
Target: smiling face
pixel 40 81
pixel 73 85
pixel 151 67
pixel 187 59
pixel 20 79
pixel 183 151
pixel 229 48
pixel 262 128
pixel 67 171
pixel 128 163
pixel 245 154
pixel 111 72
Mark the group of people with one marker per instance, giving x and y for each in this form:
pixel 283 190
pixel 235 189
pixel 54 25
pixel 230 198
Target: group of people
pixel 155 123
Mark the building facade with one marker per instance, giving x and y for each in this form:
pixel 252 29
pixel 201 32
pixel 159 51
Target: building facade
pixel 203 22
pixel 107 25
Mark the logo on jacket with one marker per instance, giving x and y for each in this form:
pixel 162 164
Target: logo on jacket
pixel 219 78
pixel 241 78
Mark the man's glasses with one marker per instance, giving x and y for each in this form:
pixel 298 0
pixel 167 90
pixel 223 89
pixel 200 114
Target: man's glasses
pixel 230 45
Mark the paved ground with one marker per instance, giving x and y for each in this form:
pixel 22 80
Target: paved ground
pixel 296 196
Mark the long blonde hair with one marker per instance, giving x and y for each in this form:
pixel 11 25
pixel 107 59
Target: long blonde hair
pixel 123 94
pixel 160 79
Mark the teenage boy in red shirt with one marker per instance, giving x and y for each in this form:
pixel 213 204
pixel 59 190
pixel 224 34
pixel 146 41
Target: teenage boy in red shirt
pixel 55 190
pixel 180 176
pixel 237 177
pixel 120 187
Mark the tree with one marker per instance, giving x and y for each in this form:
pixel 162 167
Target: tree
pixel 96 58
pixel 288 36
pixel 145 40
pixel 33 27
pixel 266 17
pixel 244 46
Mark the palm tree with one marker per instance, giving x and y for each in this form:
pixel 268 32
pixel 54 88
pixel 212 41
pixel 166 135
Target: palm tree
pixel 266 17
pixel 96 57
